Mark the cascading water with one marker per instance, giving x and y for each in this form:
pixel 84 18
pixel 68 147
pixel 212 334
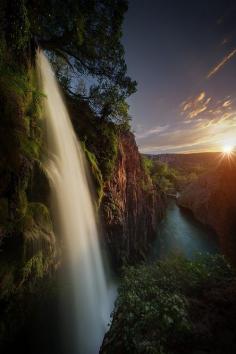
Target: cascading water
pixel 72 204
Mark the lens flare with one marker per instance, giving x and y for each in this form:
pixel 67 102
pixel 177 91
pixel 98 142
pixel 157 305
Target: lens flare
pixel 228 149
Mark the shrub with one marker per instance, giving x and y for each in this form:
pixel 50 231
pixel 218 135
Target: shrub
pixel 152 313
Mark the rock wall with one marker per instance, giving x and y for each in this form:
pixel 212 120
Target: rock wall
pixel 212 199
pixel 131 206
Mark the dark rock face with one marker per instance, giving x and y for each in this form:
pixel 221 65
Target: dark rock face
pixel 131 206
pixel 212 199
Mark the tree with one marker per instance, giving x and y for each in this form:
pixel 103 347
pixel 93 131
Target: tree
pixel 83 40
pixel 86 34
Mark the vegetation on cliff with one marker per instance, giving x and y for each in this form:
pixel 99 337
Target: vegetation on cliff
pixel 163 176
pixel 175 306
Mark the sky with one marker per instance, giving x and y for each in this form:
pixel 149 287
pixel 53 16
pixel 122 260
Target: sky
pixel 183 56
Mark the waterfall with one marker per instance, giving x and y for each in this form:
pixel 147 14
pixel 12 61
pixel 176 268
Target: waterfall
pixel 76 218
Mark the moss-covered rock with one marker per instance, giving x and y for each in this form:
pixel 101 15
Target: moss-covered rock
pixel 27 257
pixel 95 172
pixel 28 247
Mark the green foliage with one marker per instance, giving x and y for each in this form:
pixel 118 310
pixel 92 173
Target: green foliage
pixel 152 310
pixel 182 170
pixel 147 165
pixel 20 132
pixel 34 267
pixel 108 104
pixel 167 178
pixel 83 38
pixel 29 257
pixel 96 173
pixel 29 147
pixel 40 215
pixel 163 176
pixel 108 150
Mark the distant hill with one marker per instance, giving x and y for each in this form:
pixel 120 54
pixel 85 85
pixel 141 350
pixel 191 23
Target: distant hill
pixel 182 169
pixel 189 162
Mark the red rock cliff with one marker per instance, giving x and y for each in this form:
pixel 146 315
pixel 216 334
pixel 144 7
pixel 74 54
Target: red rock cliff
pixel 131 205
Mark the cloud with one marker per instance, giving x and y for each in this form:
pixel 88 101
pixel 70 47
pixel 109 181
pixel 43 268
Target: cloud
pixel 205 107
pixel 198 135
pixel 196 138
pixel 194 106
pixel 227 103
pixel 156 130
pixel 197 111
pixel 207 124
pixel 221 64
pixel 201 96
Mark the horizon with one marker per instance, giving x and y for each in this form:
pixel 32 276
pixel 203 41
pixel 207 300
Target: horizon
pixel 184 153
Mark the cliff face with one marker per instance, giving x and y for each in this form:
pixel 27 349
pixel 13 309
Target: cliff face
pixel 212 199
pixel 131 206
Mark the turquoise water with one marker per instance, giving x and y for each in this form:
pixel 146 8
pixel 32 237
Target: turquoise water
pixel 180 233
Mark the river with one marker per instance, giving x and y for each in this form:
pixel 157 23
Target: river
pixel 179 233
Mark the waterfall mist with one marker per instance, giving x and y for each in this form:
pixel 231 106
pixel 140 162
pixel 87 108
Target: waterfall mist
pixel 75 216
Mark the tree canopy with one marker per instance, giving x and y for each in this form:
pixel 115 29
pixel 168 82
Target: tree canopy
pixel 83 40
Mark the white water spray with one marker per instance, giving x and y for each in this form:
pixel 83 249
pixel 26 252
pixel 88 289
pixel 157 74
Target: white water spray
pixel 75 214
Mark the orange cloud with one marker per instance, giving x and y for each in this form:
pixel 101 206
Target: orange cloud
pixel 227 103
pixel 197 111
pixel 194 106
pixel 201 96
pixel 204 107
pixel 194 137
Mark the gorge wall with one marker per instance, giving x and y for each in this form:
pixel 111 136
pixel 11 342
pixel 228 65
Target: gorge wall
pixel 131 205
pixel 212 199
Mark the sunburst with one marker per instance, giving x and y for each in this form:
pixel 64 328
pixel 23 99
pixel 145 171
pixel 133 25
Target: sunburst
pixel 228 149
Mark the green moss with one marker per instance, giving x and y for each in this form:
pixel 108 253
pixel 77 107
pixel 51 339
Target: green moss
pixel 21 204
pixel 96 173
pixel 28 254
pixel 29 147
pixel 108 154
pixel 21 136
pixel 41 215
pixel 34 267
